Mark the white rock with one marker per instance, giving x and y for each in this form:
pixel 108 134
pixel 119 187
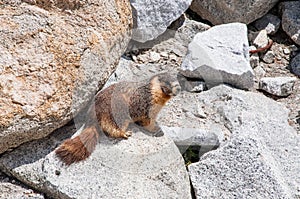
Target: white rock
pixel 261 39
pixel 279 86
pixel 269 57
pixel 259 72
pixel 173 57
pixel 260 158
pixel 143 165
pixel 220 55
pixel 269 22
pixel 143 57
pixel 164 54
pixel 286 51
pixel 154 56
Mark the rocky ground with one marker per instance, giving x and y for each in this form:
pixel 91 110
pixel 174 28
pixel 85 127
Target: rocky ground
pixel 11 188
pixel 285 50
pixel 248 124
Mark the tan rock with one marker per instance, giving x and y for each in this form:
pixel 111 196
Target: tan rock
pixel 53 57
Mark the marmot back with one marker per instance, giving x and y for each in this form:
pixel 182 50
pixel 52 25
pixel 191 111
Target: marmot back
pixel 115 108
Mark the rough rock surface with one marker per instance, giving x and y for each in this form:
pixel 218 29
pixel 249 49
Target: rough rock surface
pixel 269 22
pixel 279 86
pixel 172 45
pixel 290 19
pixel 53 56
pixel 295 65
pixel 10 189
pixel 261 40
pixel 189 123
pixel 182 119
pixel 217 57
pixel 260 158
pixel 152 18
pixel 141 167
pixel 219 12
pixel 269 57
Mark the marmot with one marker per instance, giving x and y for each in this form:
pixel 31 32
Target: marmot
pixel 114 108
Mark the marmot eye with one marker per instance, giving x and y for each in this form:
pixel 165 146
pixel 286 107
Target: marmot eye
pixel 166 90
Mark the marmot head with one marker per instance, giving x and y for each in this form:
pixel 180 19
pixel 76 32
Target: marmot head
pixel 167 82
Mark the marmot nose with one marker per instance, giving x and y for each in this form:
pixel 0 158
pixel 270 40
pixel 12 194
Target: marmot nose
pixel 176 90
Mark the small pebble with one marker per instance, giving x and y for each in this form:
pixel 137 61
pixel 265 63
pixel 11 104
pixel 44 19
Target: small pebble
pixel 286 51
pixel 269 57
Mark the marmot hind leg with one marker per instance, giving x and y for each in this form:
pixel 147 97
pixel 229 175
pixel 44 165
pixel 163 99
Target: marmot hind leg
pixel 116 131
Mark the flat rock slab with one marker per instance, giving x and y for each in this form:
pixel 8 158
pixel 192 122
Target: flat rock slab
pixel 141 167
pixel 220 12
pixel 290 19
pixel 279 86
pixel 260 158
pixel 10 189
pixel 53 57
pixel 152 18
pixel 220 55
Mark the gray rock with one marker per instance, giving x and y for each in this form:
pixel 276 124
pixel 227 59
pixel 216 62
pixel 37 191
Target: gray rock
pixel 127 70
pixel 51 62
pixel 220 12
pixel 261 39
pixel 217 57
pixel 191 85
pixel 251 175
pixel 269 57
pixel 290 19
pixel 173 41
pixel 259 72
pixel 10 189
pixel 260 158
pixel 269 22
pixel 295 65
pixel 192 122
pixel 279 86
pixel 152 18
pixel 254 60
pixel 186 137
pixel 141 167
pixel 154 56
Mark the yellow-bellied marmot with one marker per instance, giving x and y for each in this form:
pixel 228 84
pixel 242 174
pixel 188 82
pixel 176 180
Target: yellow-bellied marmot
pixel 115 108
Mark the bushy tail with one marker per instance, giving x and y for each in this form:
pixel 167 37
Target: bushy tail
pixel 78 148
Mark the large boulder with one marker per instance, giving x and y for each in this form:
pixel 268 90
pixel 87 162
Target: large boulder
pixel 219 12
pixel 260 158
pixel 53 57
pixel 152 18
pixel 290 19
pixel 141 167
pixel 220 55
pixel 295 65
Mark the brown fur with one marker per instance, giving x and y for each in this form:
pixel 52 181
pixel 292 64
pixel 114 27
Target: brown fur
pixel 115 108
pixel 78 148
